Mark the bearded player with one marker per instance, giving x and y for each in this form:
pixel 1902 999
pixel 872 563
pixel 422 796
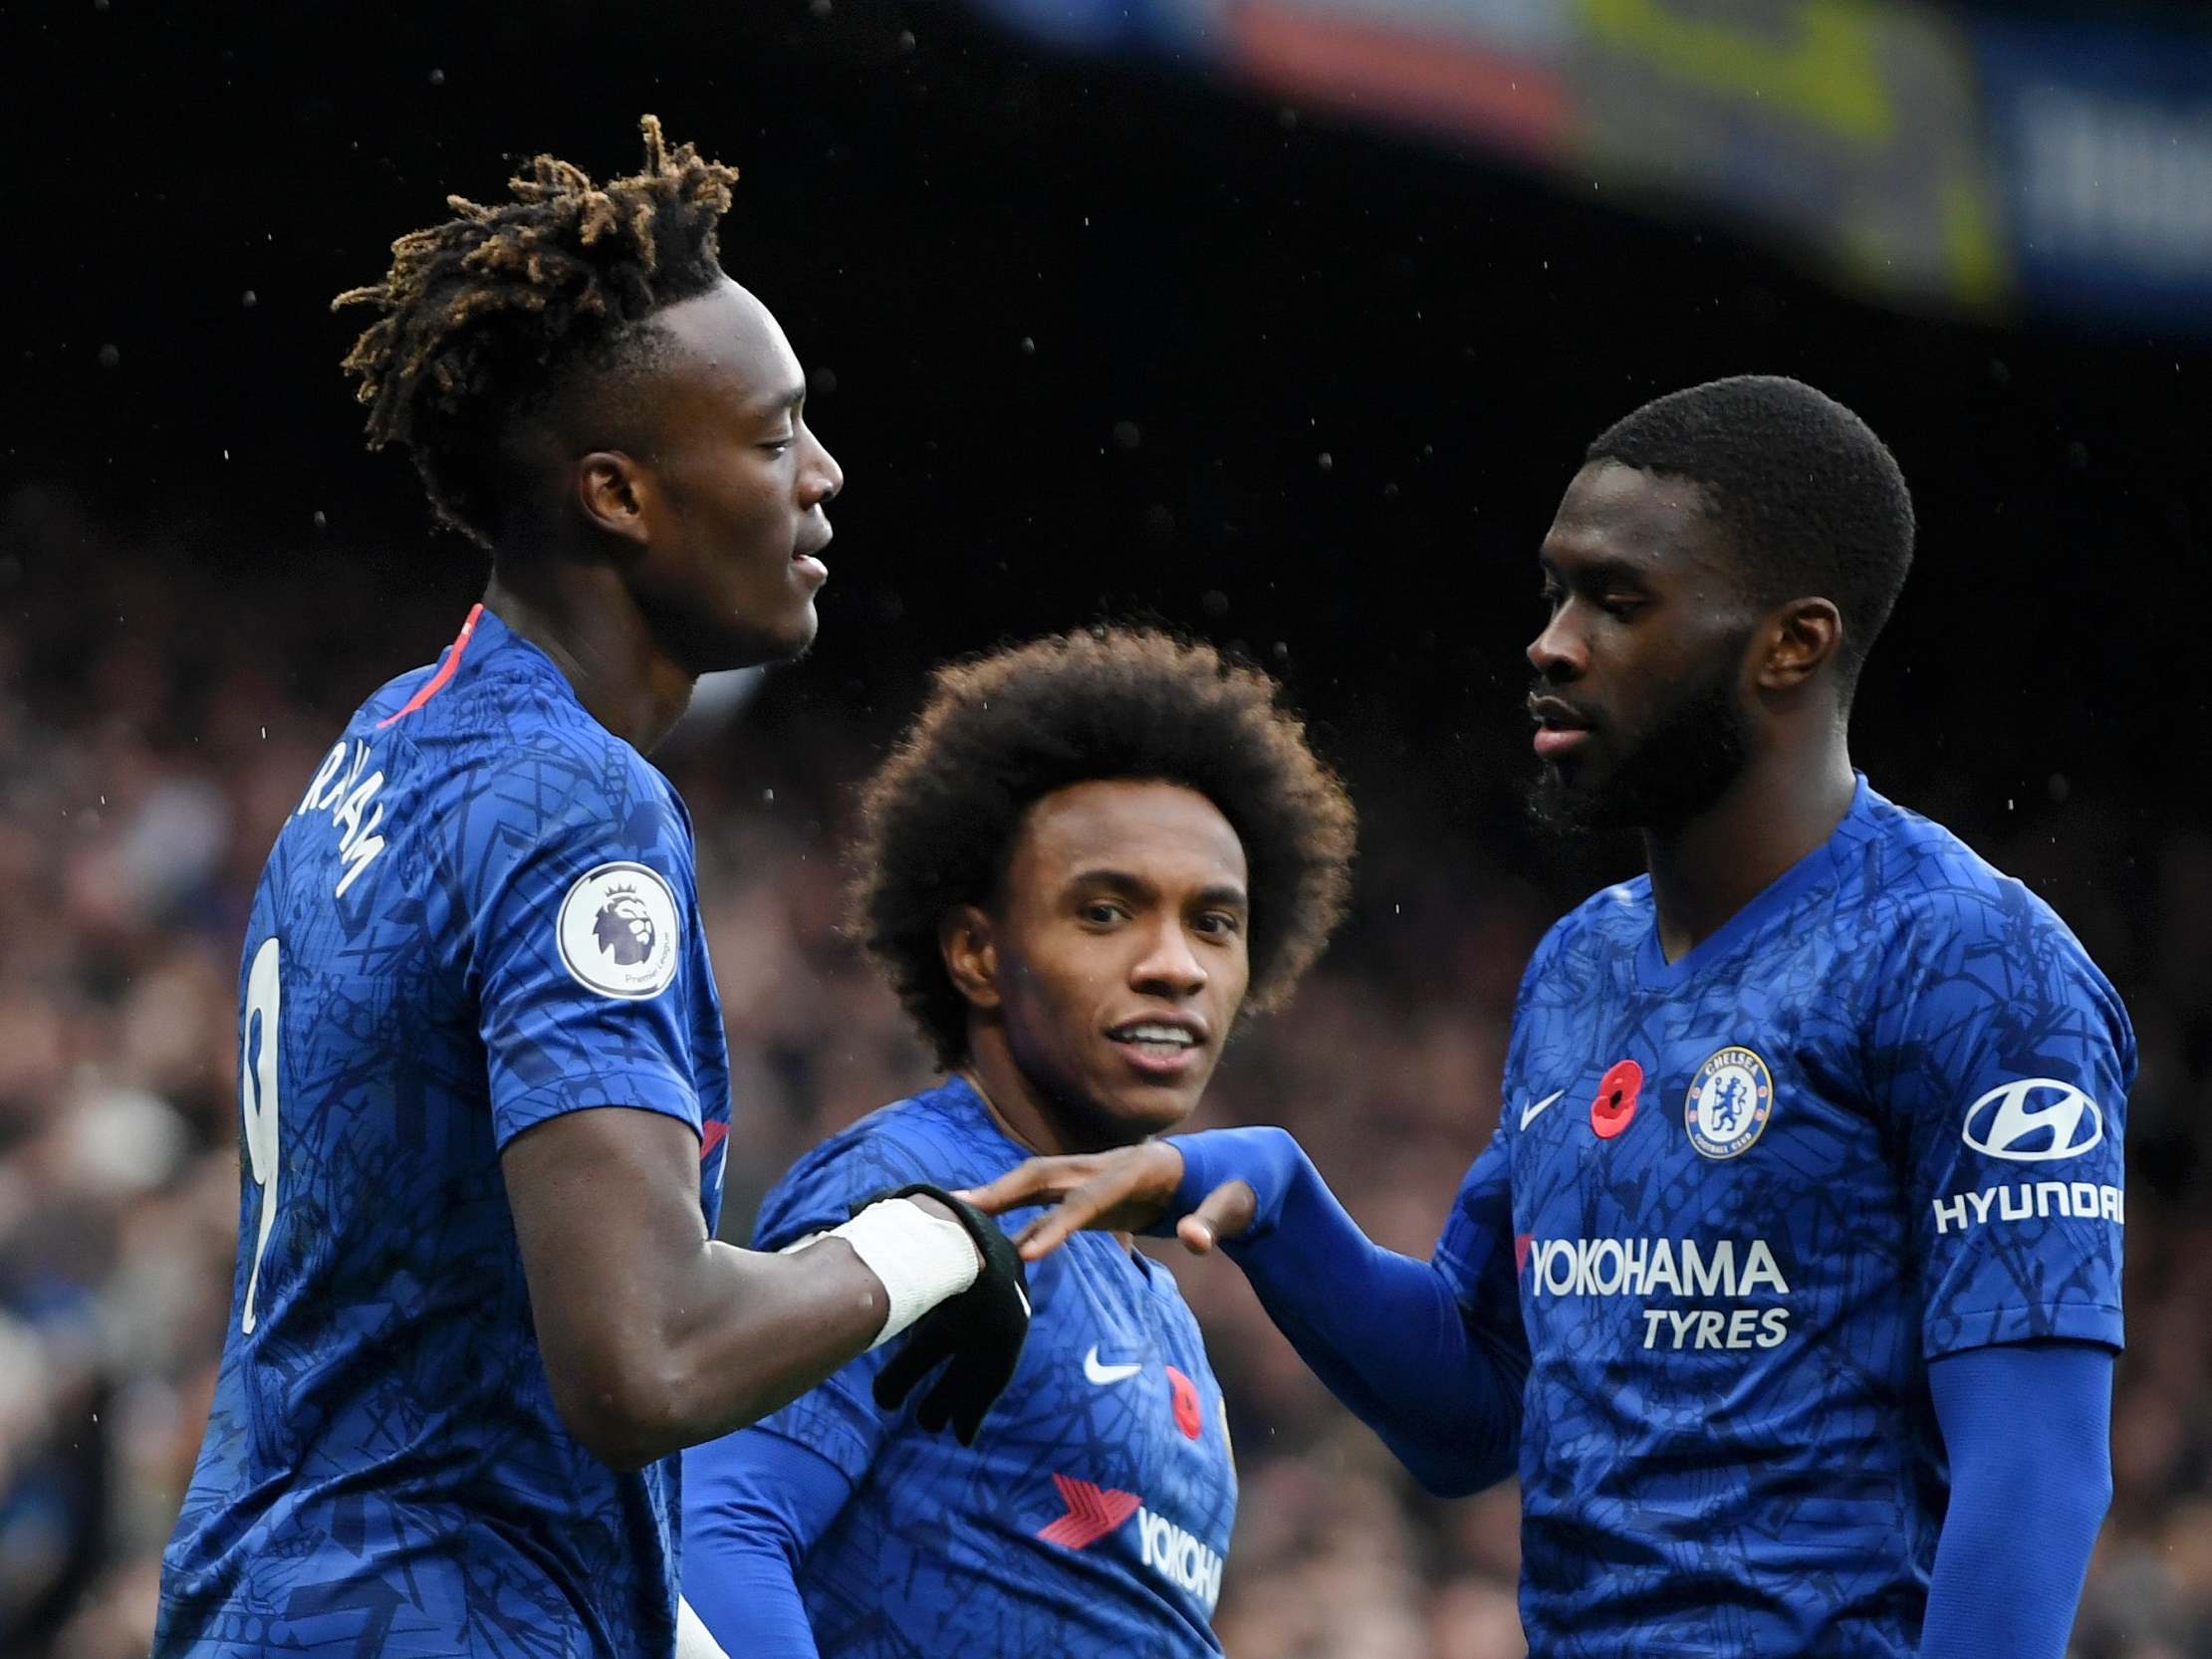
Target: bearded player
pixel 1088 858
pixel 484 1081
pixel 1791 1280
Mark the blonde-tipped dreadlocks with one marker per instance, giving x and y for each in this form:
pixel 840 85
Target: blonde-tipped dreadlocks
pixel 481 314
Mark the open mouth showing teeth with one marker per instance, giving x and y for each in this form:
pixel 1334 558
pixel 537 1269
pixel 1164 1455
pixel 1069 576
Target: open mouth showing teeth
pixel 1151 1039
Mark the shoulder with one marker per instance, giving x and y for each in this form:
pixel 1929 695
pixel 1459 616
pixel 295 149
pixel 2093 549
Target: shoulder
pixel 938 1136
pixel 1607 911
pixel 1610 920
pixel 1943 915
pixel 494 724
pixel 1909 870
pixel 522 738
pixel 516 766
pixel 1916 882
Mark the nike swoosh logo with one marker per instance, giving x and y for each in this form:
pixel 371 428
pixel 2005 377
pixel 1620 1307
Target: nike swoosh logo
pixel 1529 1112
pixel 1103 1374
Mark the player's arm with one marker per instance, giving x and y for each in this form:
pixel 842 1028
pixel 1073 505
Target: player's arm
pixel 656 1337
pixel 2004 1059
pixel 754 1503
pixel 2028 1431
pixel 653 1335
pixel 1435 1372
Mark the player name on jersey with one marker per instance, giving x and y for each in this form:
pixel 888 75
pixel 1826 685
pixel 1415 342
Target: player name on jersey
pixel 340 790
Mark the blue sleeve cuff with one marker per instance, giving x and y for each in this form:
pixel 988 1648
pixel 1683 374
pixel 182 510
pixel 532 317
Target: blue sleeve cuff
pixel 1963 1331
pixel 1384 1333
pixel 1266 1158
pixel 646 1090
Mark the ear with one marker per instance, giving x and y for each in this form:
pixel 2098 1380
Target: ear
pixel 614 494
pixel 969 946
pixel 1801 637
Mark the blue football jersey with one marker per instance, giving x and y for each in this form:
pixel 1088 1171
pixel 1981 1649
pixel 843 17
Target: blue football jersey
pixel 1739 1201
pixel 481 915
pixel 1091 1516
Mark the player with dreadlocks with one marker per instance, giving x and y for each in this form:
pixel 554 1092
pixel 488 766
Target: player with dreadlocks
pixel 484 1084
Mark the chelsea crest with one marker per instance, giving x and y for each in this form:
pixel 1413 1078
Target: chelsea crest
pixel 1731 1099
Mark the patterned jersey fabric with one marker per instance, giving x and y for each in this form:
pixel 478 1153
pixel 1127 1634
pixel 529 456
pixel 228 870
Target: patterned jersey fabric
pixel 1091 1516
pixel 1739 1201
pixel 481 915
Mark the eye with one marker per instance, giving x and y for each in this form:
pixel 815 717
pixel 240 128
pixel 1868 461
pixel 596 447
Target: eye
pixel 1223 924
pixel 775 446
pixel 1102 912
pixel 1622 607
pixel 1550 595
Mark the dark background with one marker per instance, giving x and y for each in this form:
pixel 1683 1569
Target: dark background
pixel 1086 340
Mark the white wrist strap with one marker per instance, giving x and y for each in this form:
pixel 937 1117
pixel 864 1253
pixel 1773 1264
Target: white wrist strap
pixel 693 1639
pixel 920 1257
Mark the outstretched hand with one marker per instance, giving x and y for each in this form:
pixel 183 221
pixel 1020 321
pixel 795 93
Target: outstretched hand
pixel 1126 1190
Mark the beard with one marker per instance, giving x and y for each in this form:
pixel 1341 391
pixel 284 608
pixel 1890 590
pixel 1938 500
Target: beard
pixel 1677 767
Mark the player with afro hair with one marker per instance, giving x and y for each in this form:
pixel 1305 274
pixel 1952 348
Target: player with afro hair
pixel 1001 732
pixel 1087 858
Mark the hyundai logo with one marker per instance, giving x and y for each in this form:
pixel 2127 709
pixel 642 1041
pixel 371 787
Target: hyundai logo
pixel 2032 1121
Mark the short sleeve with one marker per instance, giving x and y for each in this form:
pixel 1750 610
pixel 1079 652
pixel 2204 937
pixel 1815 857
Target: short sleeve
pixel 1475 1255
pixel 2008 1059
pixel 575 900
pixel 838 1419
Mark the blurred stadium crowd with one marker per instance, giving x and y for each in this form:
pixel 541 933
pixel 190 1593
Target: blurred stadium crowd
pixel 157 721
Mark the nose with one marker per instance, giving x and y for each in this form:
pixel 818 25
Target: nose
pixel 1167 965
pixel 822 481
pixel 1560 653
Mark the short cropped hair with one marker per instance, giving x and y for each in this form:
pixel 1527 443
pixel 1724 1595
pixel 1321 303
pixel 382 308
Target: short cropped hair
pixel 1812 502
pixel 1000 732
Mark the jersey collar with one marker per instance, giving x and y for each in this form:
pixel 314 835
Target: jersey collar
pixel 1655 973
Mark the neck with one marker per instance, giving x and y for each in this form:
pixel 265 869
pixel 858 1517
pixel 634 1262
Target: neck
pixel 1022 1112
pixel 1782 805
pixel 1049 1124
pixel 579 615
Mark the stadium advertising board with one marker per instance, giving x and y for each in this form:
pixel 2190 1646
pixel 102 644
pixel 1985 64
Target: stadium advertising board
pixel 1913 156
pixel 2104 140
